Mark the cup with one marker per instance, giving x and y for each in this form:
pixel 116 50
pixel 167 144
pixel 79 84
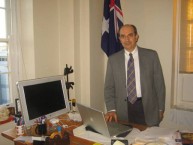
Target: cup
pixel 19 129
pixel 41 129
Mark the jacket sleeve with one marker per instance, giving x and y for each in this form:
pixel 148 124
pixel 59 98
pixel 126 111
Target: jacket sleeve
pixel 159 82
pixel 109 88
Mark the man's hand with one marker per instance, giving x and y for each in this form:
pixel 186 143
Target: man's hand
pixel 110 116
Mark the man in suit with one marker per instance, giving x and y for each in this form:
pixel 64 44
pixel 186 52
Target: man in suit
pixel 148 108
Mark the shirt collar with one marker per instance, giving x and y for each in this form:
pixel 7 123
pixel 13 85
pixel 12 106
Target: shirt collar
pixel 133 52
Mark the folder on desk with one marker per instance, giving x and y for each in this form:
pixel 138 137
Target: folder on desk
pixel 94 119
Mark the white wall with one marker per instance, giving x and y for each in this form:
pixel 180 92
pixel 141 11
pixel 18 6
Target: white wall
pixel 46 37
pixel 97 56
pixel 27 37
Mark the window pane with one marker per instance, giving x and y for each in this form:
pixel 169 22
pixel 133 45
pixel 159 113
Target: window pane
pixel 4 89
pixel 2 24
pixel 3 58
pixel 2 3
pixel 4 71
pixel 186 37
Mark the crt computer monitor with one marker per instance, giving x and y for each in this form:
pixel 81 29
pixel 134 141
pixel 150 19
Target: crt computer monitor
pixel 43 97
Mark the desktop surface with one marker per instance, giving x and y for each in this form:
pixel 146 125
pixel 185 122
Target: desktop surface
pixel 11 133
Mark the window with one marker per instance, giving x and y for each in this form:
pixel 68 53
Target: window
pixel 4 55
pixel 183 55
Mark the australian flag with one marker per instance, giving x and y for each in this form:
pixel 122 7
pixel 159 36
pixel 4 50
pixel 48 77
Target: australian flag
pixel 112 21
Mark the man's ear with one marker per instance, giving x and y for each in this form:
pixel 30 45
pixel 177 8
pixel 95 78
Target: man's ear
pixel 137 38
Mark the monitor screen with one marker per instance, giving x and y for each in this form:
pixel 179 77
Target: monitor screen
pixel 43 97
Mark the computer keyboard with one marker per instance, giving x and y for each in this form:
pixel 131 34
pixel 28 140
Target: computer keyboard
pixel 117 127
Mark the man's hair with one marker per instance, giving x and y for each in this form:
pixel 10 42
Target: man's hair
pixel 130 25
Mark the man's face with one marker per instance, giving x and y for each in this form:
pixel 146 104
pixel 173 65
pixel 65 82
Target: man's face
pixel 128 38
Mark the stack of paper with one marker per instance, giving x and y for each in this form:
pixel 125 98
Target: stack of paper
pixel 92 136
pixel 156 134
pixel 150 136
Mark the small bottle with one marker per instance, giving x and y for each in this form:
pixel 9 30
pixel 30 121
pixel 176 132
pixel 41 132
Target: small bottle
pixel 59 129
pixel 73 105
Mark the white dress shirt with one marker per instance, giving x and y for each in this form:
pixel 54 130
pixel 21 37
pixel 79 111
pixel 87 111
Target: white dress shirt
pixel 137 69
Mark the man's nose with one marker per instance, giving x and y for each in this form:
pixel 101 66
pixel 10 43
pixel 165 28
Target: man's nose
pixel 127 38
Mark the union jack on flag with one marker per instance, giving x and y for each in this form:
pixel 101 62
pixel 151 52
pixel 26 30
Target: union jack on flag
pixel 112 21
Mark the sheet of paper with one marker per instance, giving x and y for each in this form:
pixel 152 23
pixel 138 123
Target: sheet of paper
pixel 88 135
pixel 27 139
pixel 158 134
pixel 132 135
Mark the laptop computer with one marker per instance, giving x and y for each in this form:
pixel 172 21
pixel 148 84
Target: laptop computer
pixel 94 121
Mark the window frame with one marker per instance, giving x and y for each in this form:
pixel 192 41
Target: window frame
pixel 181 81
pixel 7 41
pixel 14 49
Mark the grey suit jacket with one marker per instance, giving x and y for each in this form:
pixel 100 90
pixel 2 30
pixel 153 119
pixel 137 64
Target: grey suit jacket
pixel 152 85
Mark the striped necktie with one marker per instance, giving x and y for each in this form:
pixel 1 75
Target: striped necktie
pixel 131 84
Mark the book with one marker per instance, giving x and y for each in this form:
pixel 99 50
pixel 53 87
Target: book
pixel 187 138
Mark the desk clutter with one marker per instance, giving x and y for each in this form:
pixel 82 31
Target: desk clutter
pixel 57 131
pixel 65 131
pixel 74 116
pixel 55 139
pixel 150 136
pixel 187 138
pixel 157 136
pixel 46 132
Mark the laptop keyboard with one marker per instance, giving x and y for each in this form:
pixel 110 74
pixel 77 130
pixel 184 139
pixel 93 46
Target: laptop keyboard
pixel 118 129
pixel 113 125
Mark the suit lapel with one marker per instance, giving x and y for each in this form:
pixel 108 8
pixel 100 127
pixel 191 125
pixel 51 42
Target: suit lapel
pixel 122 66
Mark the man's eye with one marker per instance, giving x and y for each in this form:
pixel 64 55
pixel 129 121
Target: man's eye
pixel 123 36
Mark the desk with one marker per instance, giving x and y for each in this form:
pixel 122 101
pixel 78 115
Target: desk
pixel 11 133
